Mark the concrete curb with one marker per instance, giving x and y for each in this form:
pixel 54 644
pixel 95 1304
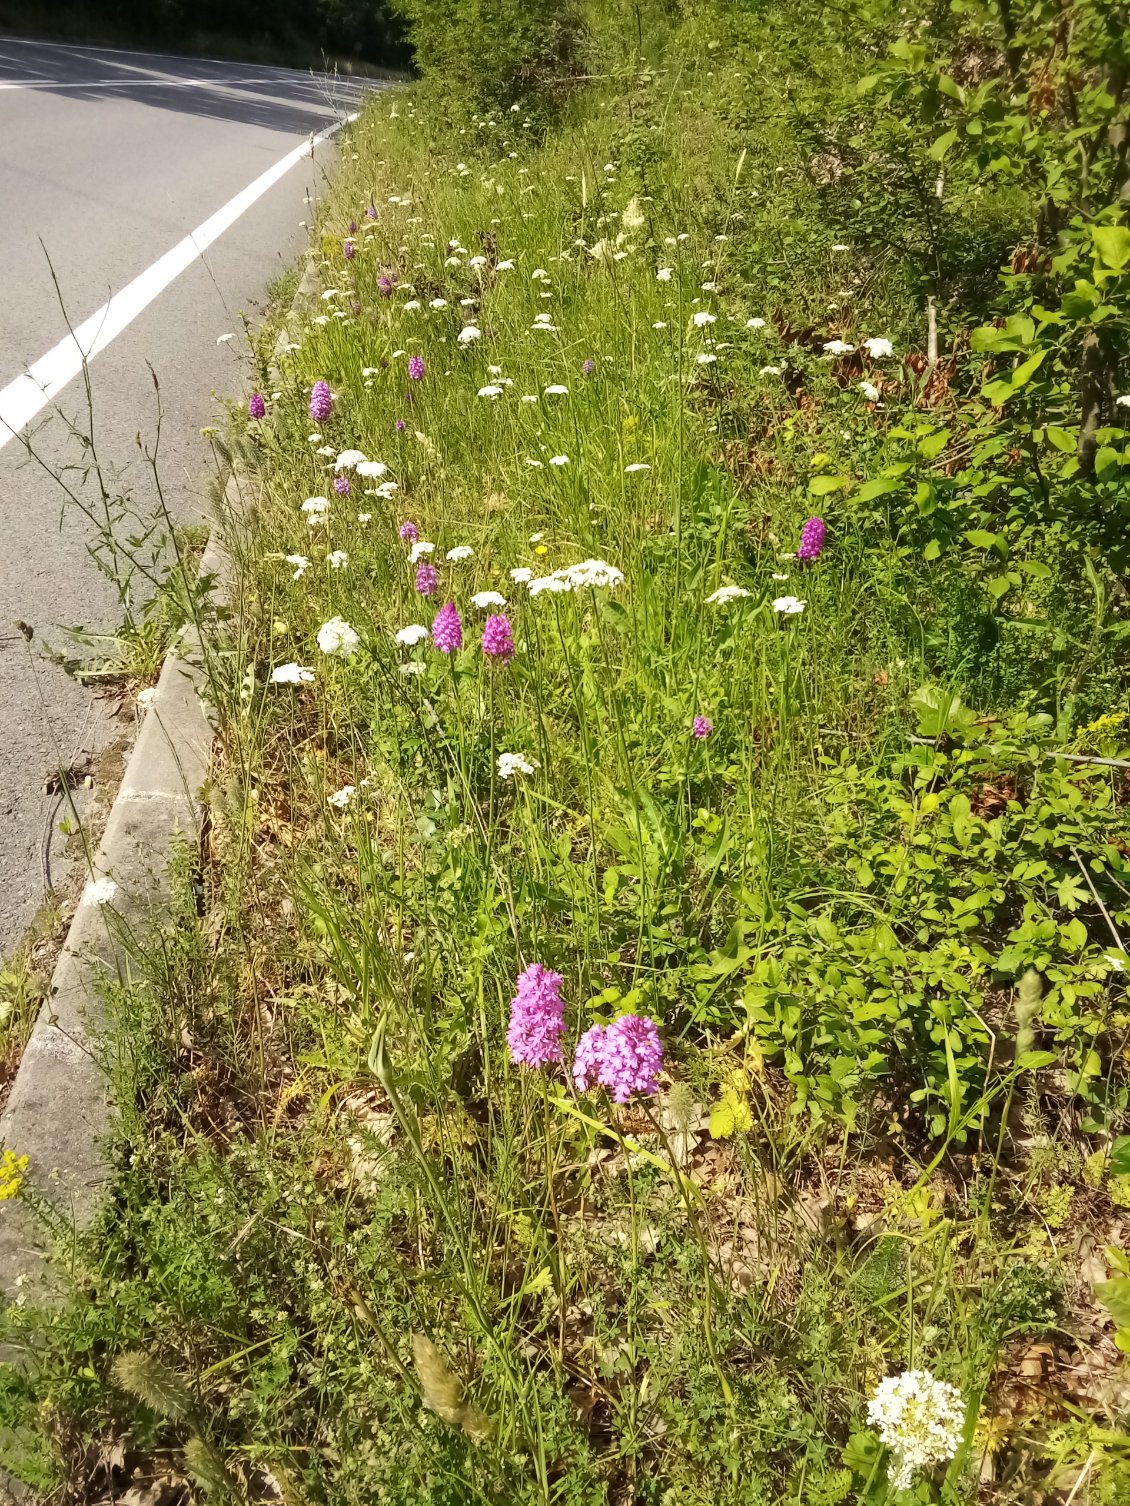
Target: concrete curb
pixel 59 1109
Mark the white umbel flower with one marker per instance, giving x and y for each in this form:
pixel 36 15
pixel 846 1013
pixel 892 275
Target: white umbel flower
pixel 725 594
pixel 101 891
pixel 484 599
pixel 510 764
pixel 838 348
pixel 348 459
pixel 374 469
pixel 551 583
pixel 337 559
pixel 291 674
pixel 877 348
pixel 919 1419
pixel 789 606
pixel 702 318
pixel 414 633
pixel 341 798
pixel 419 549
pixel 522 574
pixel 338 639
pixel 460 552
pixel 468 333
pixel 591 573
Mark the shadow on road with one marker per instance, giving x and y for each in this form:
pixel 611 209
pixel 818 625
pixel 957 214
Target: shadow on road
pixel 276 99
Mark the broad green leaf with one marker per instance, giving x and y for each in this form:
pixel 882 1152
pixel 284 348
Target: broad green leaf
pixel 1061 439
pixel 876 488
pixel 1027 369
pixel 1080 303
pixel 940 711
pixel 981 538
pixel 998 586
pixel 1112 242
pixel 820 486
pixel 933 444
pixel 1115 1297
pixel 942 145
pixel 997 393
pixel 1120 1156
pixel 932 550
pixel 1107 460
pixel 1035 1061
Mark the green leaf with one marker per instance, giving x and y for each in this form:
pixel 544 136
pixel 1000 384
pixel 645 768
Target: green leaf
pixel 1112 242
pixel 997 393
pixel 981 538
pixel 942 145
pixel 932 550
pixel 1018 333
pixel 1107 460
pixel 940 711
pixel 998 586
pixel 1061 439
pixel 1120 1156
pixel 1080 303
pixel 877 488
pixel 820 486
pixel 933 444
pixel 1035 1061
pixel 1027 369
pixel 1115 1297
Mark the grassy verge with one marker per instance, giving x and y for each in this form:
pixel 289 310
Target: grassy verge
pixel 849 831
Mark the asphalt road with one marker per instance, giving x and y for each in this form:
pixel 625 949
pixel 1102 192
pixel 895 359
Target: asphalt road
pixel 108 160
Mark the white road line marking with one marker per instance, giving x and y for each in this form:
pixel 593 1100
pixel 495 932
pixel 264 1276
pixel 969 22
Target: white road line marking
pixel 30 393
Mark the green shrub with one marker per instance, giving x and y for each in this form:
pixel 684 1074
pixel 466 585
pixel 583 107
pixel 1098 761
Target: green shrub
pixel 497 55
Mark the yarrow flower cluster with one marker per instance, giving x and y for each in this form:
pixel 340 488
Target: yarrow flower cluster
pixel 510 764
pixel 624 1057
pixel 919 1419
pixel 812 540
pixel 321 401
pixel 498 642
pixel 537 1017
pixel 447 629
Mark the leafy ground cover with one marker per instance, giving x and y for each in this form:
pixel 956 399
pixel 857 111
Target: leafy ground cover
pixel 547 705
